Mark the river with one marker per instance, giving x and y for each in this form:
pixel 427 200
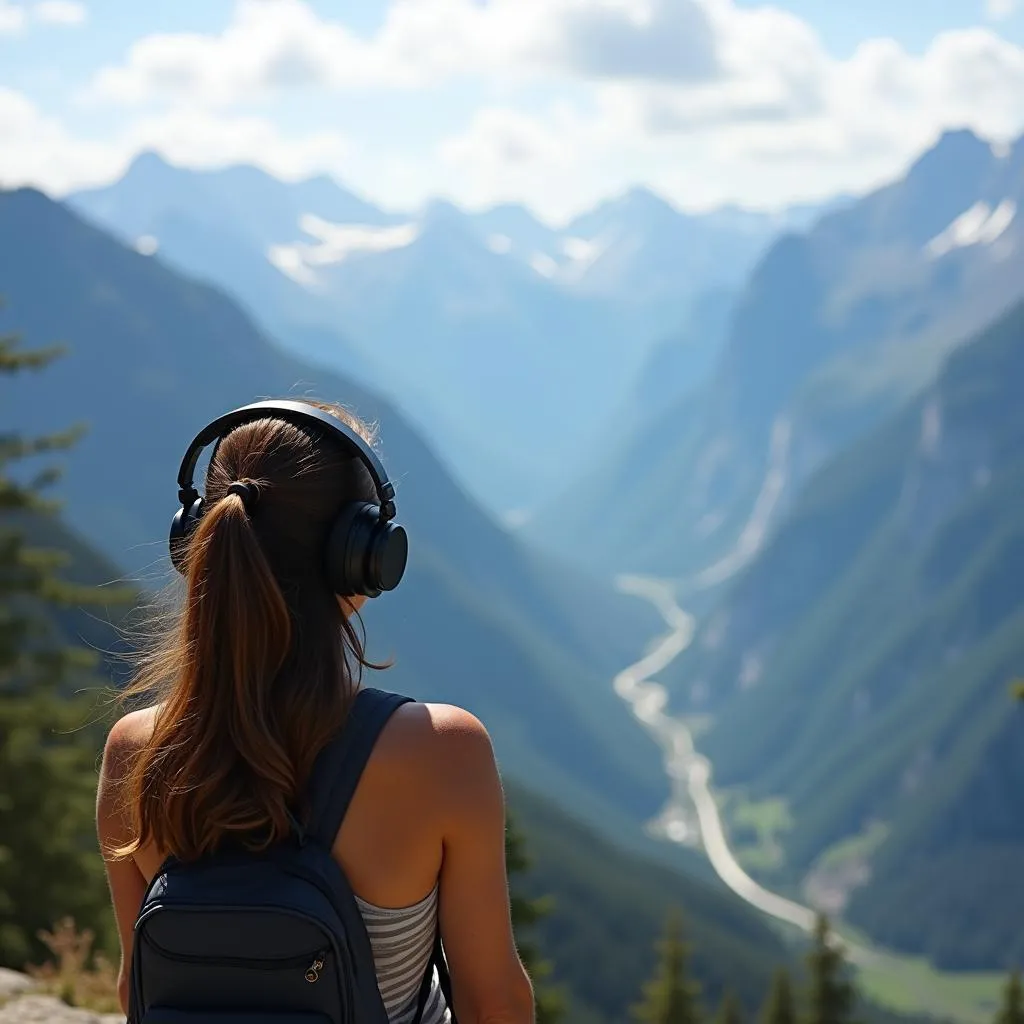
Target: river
pixel 691 811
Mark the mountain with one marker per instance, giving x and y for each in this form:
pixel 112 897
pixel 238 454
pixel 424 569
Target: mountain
pixel 683 362
pixel 835 329
pixel 640 244
pixel 221 226
pixel 504 339
pixel 511 228
pixel 518 364
pixel 859 670
pixel 479 620
pixel 608 909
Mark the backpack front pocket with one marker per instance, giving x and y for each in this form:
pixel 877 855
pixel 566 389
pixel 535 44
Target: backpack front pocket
pixel 164 1015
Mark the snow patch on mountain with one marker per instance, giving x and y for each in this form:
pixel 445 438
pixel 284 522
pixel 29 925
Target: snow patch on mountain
pixel 334 243
pixel 979 225
pixel 544 264
pixel 499 244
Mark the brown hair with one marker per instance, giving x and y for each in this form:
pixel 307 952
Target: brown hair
pixel 255 672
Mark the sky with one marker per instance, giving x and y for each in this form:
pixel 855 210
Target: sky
pixel 552 103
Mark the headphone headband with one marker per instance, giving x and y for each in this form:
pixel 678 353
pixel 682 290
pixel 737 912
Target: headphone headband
pixel 299 414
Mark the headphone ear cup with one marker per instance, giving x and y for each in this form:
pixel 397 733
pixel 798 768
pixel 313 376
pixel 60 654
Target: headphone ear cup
pixel 182 525
pixel 347 546
pixel 365 556
pixel 389 553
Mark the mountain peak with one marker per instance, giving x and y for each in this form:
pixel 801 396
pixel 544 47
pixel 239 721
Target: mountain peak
pixel 149 163
pixel 638 206
pixel 514 213
pixel 641 199
pixel 954 152
pixel 442 213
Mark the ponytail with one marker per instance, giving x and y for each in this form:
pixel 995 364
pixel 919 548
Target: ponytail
pixel 246 699
pixel 234 636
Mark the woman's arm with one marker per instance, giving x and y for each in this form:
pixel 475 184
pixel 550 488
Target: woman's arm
pixel 127 885
pixel 489 983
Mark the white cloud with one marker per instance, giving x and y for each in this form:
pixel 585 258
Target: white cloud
pixel 703 99
pixel 60 12
pixel 15 17
pixel 502 140
pixel 198 138
pixel 682 64
pixel 38 150
pixel 783 121
pixel 999 9
pixel 270 44
pixel 507 155
pixel 12 18
pixel 657 39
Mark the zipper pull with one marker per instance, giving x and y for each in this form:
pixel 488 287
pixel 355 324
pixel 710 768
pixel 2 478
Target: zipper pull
pixel 314 969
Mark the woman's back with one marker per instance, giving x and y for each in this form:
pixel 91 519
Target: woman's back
pixel 422 842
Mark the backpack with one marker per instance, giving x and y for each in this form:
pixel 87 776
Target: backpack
pixel 274 937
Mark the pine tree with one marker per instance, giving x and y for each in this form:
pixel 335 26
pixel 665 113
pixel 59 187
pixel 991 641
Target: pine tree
pixel 671 996
pixel 780 1008
pixel 831 996
pixel 49 863
pixel 550 1002
pixel 729 1010
pixel 1012 1010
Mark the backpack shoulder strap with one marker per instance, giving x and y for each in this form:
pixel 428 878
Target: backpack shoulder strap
pixel 339 766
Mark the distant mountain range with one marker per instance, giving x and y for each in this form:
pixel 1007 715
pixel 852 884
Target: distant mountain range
pixel 861 669
pixel 504 339
pixel 479 620
pixel 836 327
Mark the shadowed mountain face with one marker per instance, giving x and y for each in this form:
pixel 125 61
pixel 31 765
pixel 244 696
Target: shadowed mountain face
pixel 860 668
pixel 479 619
pixel 607 914
pixel 465 319
pixel 836 328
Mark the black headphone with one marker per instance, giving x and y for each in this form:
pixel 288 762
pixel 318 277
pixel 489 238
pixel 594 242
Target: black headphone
pixel 366 552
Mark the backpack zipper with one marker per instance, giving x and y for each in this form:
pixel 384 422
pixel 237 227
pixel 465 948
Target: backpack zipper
pixel 313 971
pixel 311 974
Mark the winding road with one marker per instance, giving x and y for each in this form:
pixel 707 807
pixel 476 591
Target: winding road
pixel 691 811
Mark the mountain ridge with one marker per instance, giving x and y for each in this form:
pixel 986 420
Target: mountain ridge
pixel 434 298
pixel 154 355
pixel 859 668
pixel 836 328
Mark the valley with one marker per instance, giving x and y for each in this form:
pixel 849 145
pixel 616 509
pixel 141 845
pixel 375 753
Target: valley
pixel 691 817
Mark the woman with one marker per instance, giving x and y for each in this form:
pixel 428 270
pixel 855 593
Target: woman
pixel 252 680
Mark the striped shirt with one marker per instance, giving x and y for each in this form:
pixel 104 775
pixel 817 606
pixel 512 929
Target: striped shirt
pixel 402 941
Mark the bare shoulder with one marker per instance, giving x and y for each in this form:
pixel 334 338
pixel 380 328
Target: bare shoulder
pixel 445 746
pixel 441 730
pixel 129 734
